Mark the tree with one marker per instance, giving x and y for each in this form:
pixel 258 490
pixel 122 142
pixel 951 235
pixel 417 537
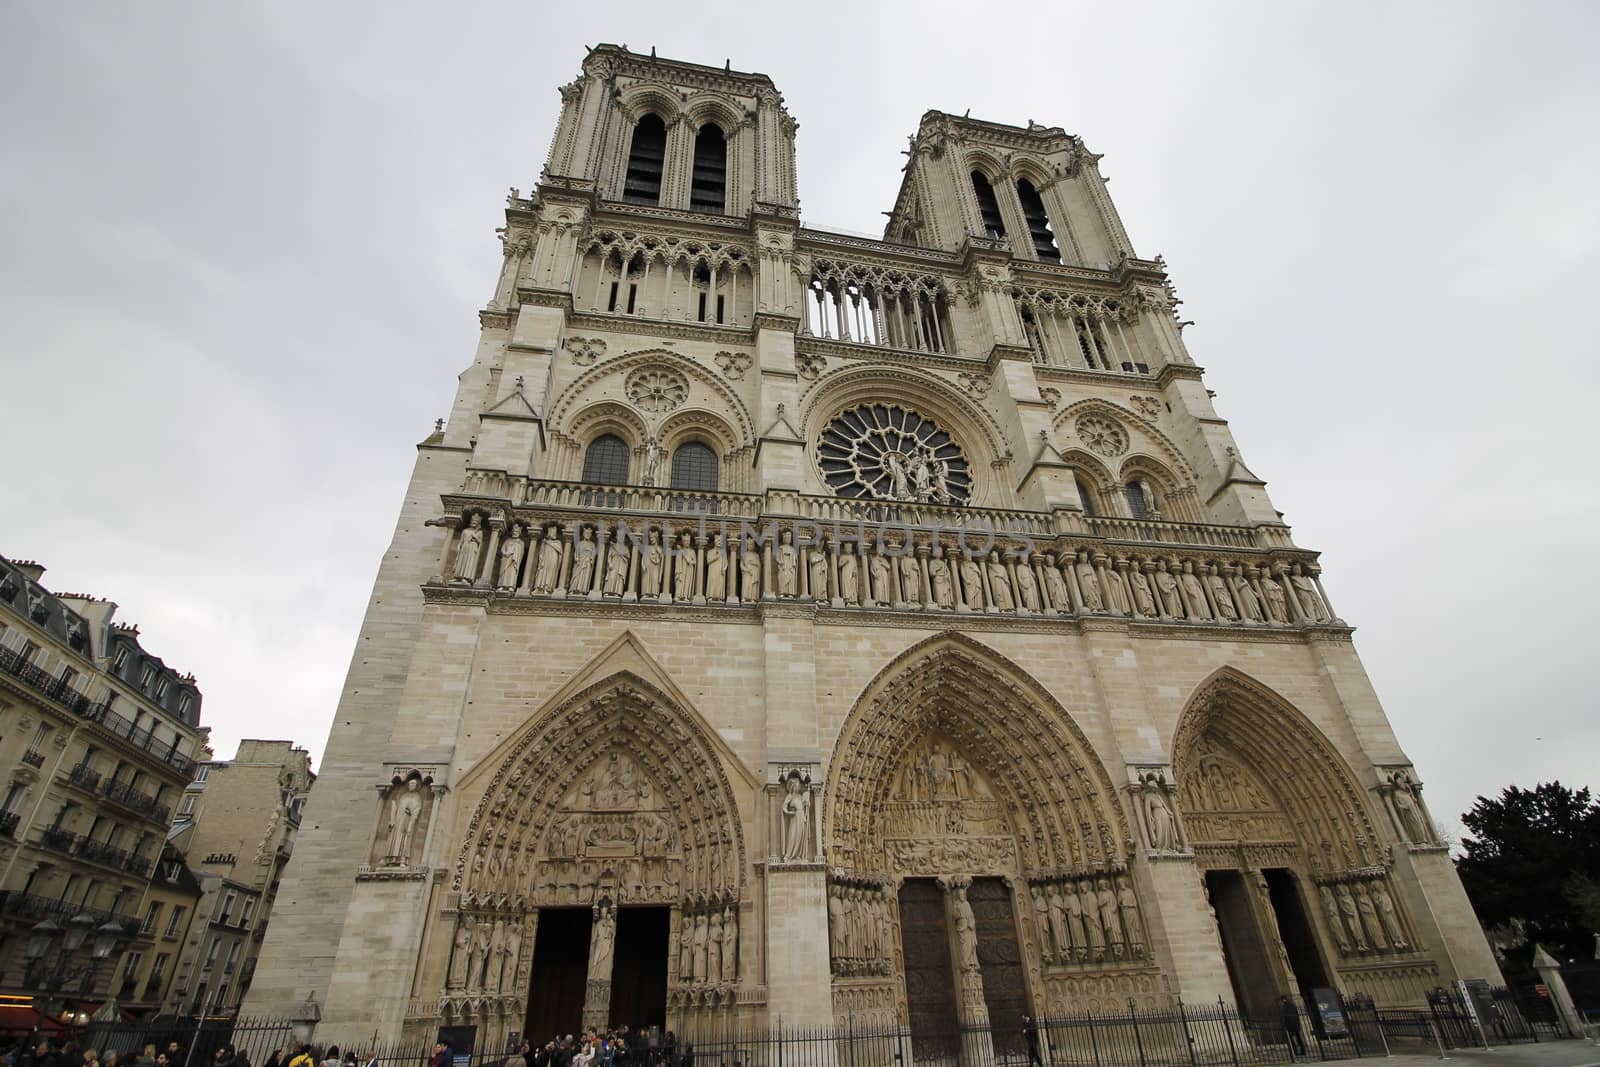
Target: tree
pixel 1534 855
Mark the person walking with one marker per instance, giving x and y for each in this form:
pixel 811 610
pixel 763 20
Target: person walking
pixel 1030 1034
pixel 1289 1012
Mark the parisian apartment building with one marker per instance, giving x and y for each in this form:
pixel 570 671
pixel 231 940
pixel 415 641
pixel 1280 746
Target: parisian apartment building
pixel 98 741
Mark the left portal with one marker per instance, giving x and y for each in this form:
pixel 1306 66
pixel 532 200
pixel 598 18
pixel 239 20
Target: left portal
pixel 560 974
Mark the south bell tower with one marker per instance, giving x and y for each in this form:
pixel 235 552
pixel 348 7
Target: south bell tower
pixel 783 615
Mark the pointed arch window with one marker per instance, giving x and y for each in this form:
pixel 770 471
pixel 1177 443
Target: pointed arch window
pixel 1142 503
pixel 1085 496
pixel 709 191
pixel 988 206
pixel 1044 241
pixel 646 160
pixel 606 461
pixel 694 467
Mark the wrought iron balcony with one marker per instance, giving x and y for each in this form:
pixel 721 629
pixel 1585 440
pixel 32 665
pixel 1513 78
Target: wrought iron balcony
pixel 125 795
pixel 60 840
pixel 8 823
pixel 83 775
pixel 33 758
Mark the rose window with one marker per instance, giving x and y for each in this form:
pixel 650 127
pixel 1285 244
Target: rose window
pixel 1102 435
pixel 888 452
pixel 657 389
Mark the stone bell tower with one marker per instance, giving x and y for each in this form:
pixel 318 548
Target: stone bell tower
pixel 791 625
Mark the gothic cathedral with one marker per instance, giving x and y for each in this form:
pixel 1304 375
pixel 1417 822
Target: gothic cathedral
pixel 792 625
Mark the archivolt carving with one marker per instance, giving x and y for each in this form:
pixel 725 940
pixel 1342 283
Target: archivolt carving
pixel 1036 796
pixel 618 789
pixel 1250 766
pixel 723 399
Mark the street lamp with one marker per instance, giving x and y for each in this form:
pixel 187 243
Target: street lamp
pixel 50 979
pixel 39 939
pixel 78 928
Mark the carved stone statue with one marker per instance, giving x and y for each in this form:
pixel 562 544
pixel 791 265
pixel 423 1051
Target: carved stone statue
pixel 817 572
pixel 654 568
pixel 1351 918
pixel 1220 594
pixel 468 549
pixel 1088 584
pixel 686 949
pixel 1167 587
pixel 730 945
pixel 1407 809
pixel 1056 585
pixel 604 943
pixel 1132 924
pixel 1068 895
pixel 1144 600
pixel 1195 594
pixel 461 957
pixel 921 476
pixel 1027 586
pixel 966 929
pixel 899 482
pixel 511 550
pixel 1110 917
pixel 1384 904
pixel 653 455
pixel 1245 596
pixel 1330 908
pixel 1091 919
pixel 910 578
pixel 583 558
pixel 939 579
pixel 702 932
pixel 714 948
pixel 497 958
pixel 479 956
pixel 684 584
pixel 836 924
pixel 1000 583
pixel 849 580
pixel 616 567
pixel 971 583
pixel 1369 920
pixel 878 575
pixel 749 572
pixel 788 566
pixel 1277 609
pixel 1305 591
pixel 716 571
pixel 1159 820
pixel 405 812
pixel 548 572
pixel 1049 944
pixel 796 820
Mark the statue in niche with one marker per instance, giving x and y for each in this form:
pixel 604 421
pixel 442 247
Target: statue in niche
pixel 716 571
pixel 939 578
pixel 817 572
pixel 1132 925
pixel 1306 592
pixel 749 572
pixel 849 587
pixel 1220 594
pixel 605 938
pixel 684 586
pixel 1076 927
pixel 1110 918
pixel 788 566
pixel 1408 811
pixel 584 554
pixel 1351 918
pixel 971 583
pixel 1249 603
pixel 730 945
pixel 1144 600
pixel 510 560
pixel 1000 583
pixel 1386 915
pixel 1196 595
pixel 1277 608
pixel 966 928
pixel 910 578
pixel 460 959
pixel 1055 585
pixel 796 819
pixel 654 563
pixel 1161 823
pixel 836 922
pixel 513 952
pixel 702 932
pixel 479 957
pixel 878 572
pixel 653 455
pixel 1027 586
pixel 497 957
pixel 1049 942
pixel 921 473
pixel 1369 920
pixel 468 549
pixel 1167 586
pixel 1330 909
pixel 714 948
pixel 1091 918
pixel 548 571
pixel 402 814
pixel 1088 584
pixel 940 472
pixel 894 465
pixel 616 568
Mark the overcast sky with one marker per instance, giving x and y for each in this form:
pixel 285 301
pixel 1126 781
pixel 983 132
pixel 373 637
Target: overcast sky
pixel 242 246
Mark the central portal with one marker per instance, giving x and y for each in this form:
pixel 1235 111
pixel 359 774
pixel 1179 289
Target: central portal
pixel 639 976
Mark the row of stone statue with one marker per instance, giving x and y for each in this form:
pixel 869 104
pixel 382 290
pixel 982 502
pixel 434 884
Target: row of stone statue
pixel 1362 917
pixel 1088 920
pixel 860 931
pixel 696 568
pixel 485 955
pixel 708 947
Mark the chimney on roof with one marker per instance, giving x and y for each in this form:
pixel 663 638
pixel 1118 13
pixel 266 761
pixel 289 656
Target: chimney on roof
pixel 34 571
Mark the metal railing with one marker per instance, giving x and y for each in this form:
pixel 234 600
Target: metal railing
pixel 33 758
pixel 8 822
pixel 85 776
pixel 144 804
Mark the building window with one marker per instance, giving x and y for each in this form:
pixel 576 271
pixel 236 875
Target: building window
pixel 151 917
pixel 187 806
pixel 1141 500
pixel 146 676
pixel 185 702
pixel 120 660
pixel 161 690
pixel 1085 496
pixel 646 160
pixel 158 971
pixel 130 969
pixel 709 190
pixel 233 958
pixel 201 773
pixel 606 461
pixel 211 953
pixel 249 911
pixel 694 466
pixel 988 206
pixel 13 797
pixel 174 919
pixel 67 677
pixel 227 908
pixel 1044 242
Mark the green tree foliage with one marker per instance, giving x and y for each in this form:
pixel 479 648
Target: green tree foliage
pixel 1534 855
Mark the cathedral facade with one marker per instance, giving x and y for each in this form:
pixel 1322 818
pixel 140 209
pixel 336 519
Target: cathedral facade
pixel 791 625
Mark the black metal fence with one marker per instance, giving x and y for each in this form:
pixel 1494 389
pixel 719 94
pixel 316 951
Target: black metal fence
pixel 1214 1035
